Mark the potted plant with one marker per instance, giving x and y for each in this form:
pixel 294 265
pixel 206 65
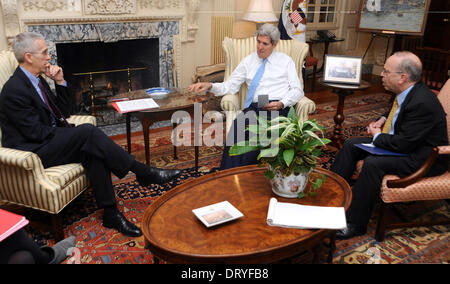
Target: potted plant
pixel 289 147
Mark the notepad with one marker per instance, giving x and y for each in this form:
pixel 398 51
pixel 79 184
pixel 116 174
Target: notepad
pixel 374 150
pixel 291 215
pixel 10 223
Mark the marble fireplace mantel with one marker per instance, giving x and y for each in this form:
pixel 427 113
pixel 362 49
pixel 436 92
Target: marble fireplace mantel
pixel 172 21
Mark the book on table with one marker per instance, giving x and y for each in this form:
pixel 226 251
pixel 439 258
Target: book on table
pixel 291 215
pixel 10 223
pixel 126 106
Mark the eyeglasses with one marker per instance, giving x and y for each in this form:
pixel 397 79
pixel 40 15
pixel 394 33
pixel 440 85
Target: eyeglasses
pixel 43 53
pixel 387 72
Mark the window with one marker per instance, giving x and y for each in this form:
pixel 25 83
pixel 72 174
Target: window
pixel 321 13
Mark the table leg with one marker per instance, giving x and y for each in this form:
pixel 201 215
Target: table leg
pixel 146 132
pixel 196 159
pixel 128 125
pixel 337 139
pixel 174 126
pixel 332 245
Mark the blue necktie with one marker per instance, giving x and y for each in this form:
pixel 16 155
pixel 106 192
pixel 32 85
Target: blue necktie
pixel 254 84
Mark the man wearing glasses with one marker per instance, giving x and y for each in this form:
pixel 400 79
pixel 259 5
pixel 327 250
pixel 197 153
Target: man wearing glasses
pixel 415 124
pixel 32 118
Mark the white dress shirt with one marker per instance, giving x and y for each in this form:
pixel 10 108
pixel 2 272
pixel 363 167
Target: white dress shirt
pixel 280 80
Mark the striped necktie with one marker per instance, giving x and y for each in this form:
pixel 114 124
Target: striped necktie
pixel 387 124
pixel 254 84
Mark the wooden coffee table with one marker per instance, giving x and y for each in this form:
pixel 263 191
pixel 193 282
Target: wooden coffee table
pixel 175 235
pixel 176 101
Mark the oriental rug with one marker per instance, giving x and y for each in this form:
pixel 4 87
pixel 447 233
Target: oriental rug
pixel 97 244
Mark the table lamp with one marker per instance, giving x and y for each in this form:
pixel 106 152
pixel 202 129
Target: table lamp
pixel 261 12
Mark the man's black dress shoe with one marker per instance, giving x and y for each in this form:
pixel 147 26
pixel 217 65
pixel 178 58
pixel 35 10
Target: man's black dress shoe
pixel 120 223
pixel 351 231
pixel 158 176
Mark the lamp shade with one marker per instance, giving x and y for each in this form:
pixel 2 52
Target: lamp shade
pixel 260 11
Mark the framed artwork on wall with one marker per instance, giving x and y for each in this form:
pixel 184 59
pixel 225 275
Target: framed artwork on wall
pixel 342 69
pixel 393 16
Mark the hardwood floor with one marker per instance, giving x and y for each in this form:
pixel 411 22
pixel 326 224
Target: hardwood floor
pixel 323 94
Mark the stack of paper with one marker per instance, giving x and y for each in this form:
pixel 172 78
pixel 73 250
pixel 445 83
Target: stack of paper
pixel 292 215
pixel 134 105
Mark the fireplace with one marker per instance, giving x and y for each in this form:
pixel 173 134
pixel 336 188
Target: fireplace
pixel 101 70
pixel 99 47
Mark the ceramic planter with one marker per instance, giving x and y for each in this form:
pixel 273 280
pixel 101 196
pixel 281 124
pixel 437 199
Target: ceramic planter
pixel 289 186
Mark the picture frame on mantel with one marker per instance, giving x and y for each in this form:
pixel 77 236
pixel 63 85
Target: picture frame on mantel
pixel 407 17
pixel 342 69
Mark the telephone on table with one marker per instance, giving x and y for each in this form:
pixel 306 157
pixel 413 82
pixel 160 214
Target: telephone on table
pixel 325 35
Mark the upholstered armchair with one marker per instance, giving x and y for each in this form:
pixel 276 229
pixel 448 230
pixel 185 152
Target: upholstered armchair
pixel 23 179
pixel 416 186
pixel 237 49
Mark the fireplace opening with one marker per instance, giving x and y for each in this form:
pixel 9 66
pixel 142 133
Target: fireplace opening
pixel 107 69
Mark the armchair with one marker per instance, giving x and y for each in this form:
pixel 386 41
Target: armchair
pixel 416 186
pixel 23 179
pixel 237 49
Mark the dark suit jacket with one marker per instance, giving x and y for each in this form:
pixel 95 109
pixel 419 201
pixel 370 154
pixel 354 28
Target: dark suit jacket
pixel 25 120
pixel 421 125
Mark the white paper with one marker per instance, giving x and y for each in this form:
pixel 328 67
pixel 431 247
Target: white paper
pixel 292 215
pixel 135 105
pixel 217 213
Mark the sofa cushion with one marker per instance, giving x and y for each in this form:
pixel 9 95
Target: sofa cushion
pixel 65 174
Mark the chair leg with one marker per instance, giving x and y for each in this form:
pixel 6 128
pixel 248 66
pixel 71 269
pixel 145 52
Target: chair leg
pixel 382 221
pixel 58 229
pixel 314 78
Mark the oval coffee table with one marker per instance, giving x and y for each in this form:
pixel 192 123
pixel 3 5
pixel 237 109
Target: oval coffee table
pixel 174 234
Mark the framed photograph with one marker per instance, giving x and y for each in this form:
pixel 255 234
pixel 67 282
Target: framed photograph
pixel 393 16
pixel 342 69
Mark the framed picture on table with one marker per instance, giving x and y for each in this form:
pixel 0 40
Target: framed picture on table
pixel 342 69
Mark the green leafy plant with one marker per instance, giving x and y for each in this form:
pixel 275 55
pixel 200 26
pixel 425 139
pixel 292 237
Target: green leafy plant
pixel 286 144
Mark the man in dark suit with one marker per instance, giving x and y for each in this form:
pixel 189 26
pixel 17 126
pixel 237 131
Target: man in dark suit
pixel 414 126
pixel 32 118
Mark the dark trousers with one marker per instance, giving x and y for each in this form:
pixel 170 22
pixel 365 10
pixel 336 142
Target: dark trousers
pixel 19 248
pixel 99 155
pixel 367 187
pixel 238 126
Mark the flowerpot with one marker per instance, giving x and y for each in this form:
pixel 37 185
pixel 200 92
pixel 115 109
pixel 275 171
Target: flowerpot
pixel 289 186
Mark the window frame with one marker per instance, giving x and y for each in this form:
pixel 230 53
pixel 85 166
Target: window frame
pixel 316 25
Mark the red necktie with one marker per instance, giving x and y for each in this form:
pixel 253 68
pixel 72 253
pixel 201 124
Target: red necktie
pixel 44 95
pixel 60 116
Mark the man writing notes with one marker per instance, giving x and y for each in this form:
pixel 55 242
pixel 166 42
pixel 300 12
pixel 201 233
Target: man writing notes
pixel 415 124
pixel 266 72
pixel 32 118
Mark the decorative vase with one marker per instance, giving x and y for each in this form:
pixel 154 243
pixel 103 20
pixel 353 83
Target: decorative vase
pixel 289 186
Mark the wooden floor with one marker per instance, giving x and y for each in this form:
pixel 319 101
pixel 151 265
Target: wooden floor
pixel 323 94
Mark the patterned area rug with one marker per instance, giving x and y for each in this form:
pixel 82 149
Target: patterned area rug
pixel 97 244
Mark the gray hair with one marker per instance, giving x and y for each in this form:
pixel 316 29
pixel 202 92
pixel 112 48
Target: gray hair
pixel 270 31
pixel 410 64
pixel 23 43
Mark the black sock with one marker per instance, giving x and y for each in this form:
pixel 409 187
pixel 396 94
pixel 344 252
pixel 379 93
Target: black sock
pixel 139 169
pixel 110 210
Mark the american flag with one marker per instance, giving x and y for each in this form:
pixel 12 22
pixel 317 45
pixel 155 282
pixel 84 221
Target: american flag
pixel 295 17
